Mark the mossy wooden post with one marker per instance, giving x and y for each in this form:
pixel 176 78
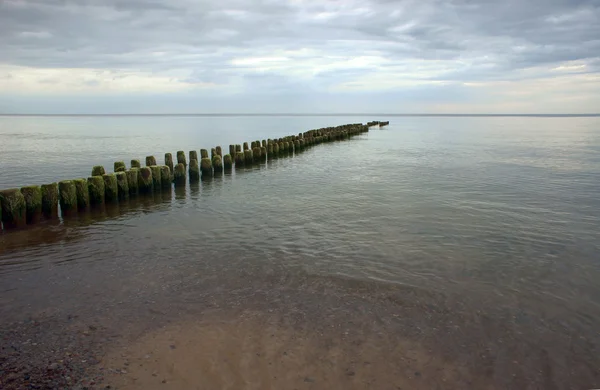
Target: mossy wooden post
pixel 275 150
pixel 213 152
pixel 297 147
pixel 96 190
pixel 98 170
pixel 50 200
pixel 252 145
pixel 232 150
pixel 13 207
pixel 227 163
pixel 122 185
pixel 281 148
pixel 206 168
pixel 263 153
pixel 136 164
pixel 156 178
pixel 119 166
pixel 165 177
pixel 193 156
pixel 132 180
pixel 245 146
pixel 150 160
pixel 169 163
pixel 239 159
pixel 82 192
pixel 67 195
pixel 256 155
pixel 179 175
pixel 111 189
pixel 269 151
pixel 264 143
pixel 219 151
pixel 145 183
pixel 181 158
pixel 33 203
pixel 248 157
pixel 238 148
pixel 203 153
pixel 217 163
pixel 194 170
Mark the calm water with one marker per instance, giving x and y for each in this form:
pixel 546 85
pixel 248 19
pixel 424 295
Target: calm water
pixel 491 226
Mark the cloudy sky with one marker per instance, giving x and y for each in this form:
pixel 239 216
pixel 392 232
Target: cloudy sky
pixel 388 56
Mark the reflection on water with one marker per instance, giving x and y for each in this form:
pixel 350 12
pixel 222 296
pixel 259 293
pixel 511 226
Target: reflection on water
pixel 474 241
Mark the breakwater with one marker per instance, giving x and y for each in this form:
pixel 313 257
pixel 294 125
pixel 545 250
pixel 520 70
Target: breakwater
pixel 28 205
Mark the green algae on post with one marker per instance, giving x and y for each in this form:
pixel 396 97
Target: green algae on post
pixel 238 148
pixel 136 164
pixel 14 209
pixel 213 152
pixel 67 195
pixel 227 162
pixel 206 167
pixel 119 166
pixel 33 203
pixel 150 160
pixel 239 159
pixel 156 180
pixel 132 180
pixel 111 188
pixel 98 170
pixel 203 153
pixel 96 190
pixel 165 177
pixel 263 153
pixel 219 151
pixel 194 170
pixel 256 155
pixel 181 158
pixel 275 150
pixel 232 150
pixel 245 146
pixel 145 183
pixel 169 163
pixel 269 151
pixel 193 156
pixel 248 157
pixel 50 200
pixel 122 185
pixel 217 163
pixel 179 175
pixel 82 192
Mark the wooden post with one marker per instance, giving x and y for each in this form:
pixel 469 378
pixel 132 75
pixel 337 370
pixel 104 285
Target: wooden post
pixel 33 203
pixel 13 208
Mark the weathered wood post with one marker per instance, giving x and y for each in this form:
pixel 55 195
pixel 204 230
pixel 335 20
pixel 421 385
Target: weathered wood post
pixel 275 150
pixel 67 195
pixel 181 158
pixel 82 193
pixel 263 153
pixel 165 176
pixel 248 157
pixel 238 148
pixel 145 183
pixel 179 175
pixel 203 153
pixel 264 143
pixel 206 168
pixel 194 170
pixel 169 163
pixel 122 185
pixel 256 155
pixel 50 200
pixel 98 170
pixel 213 152
pixel 227 163
pixel 132 180
pixel 96 190
pixel 239 160
pixel 111 189
pixel 156 178
pixel 136 164
pixel 270 151
pixel 13 209
pixel 150 160
pixel 219 151
pixel 33 203
pixel 119 166
pixel 232 150
pixel 245 146
pixel 217 164
pixel 193 155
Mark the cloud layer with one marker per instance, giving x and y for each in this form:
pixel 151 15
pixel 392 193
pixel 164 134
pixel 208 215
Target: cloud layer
pixel 403 56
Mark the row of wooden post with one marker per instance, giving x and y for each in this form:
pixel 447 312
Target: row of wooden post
pixel 30 204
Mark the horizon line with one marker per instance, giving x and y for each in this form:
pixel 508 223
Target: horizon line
pixel 307 114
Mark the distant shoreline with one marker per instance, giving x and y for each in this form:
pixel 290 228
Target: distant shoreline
pixel 303 114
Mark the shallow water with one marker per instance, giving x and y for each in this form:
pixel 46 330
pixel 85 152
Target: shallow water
pixel 475 238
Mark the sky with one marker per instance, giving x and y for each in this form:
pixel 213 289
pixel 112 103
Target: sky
pixel 299 56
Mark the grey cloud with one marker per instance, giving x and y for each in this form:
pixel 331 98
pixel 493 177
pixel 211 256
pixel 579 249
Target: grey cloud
pixel 201 38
